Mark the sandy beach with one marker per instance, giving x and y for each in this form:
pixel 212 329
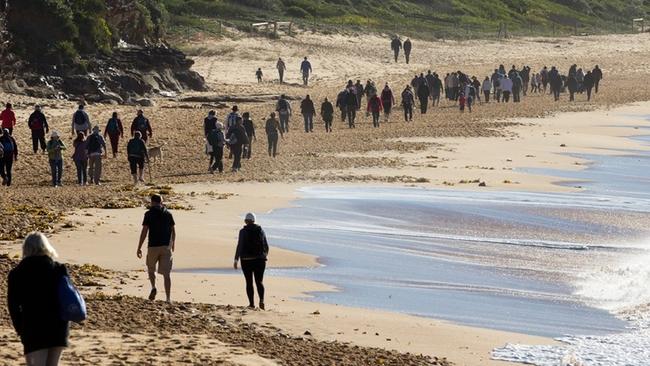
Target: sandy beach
pixel 443 149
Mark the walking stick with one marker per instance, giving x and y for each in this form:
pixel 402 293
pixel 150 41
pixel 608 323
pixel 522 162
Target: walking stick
pixel 149 170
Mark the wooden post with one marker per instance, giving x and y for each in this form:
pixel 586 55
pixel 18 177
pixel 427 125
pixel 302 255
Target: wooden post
pixel 220 27
pixel 275 29
pixel 290 24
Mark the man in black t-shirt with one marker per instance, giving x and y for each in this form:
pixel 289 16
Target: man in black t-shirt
pixel 158 224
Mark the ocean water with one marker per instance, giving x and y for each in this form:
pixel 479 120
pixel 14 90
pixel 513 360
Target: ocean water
pixel 575 267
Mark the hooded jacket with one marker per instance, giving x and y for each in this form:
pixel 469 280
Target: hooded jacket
pixel 33 304
pixel 252 243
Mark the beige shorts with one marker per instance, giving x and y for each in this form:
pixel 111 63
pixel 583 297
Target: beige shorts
pixel 162 256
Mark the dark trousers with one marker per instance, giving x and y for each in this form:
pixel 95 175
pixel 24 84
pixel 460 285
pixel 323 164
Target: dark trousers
pixel 328 123
pixel 115 142
pixel 281 76
pixel 254 268
pixel 588 94
pixel 596 85
pixel 236 151
pixel 556 93
pixel 407 55
pixel 82 171
pixel 408 112
pixel 424 103
pixel 375 119
pixel 136 163
pixel 284 122
pixel 506 96
pixel 217 157
pixel 396 54
pixel 486 93
pixel 273 144
pixel 6 165
pixel 352 115
pixel 248 150
pixel 38 137
pixel 309 122
pixel 56 167
pixel 572 95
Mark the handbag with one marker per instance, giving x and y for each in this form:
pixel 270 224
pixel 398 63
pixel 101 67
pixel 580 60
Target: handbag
pixel 72 306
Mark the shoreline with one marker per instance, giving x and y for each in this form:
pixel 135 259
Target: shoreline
pixel 290 307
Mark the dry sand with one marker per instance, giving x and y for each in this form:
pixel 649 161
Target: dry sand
pixel 439 149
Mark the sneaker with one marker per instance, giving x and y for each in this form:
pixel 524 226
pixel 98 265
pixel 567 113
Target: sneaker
pixel 262 306
pixel 152 294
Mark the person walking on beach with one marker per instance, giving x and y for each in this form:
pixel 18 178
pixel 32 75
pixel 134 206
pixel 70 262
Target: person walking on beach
pixel 306 70
pixel 327 113
pixel 506 88
pixel 588 84
pixel 375 108
pixel 33 302
pixel 486 87
pixel 159 226
pixel 272 129
pixel 280 65
pixel 436 90
pixel 209 122
pixel 396 46
pixel 259 74
pixel 340 103
pixel 408 100
pixel 136 150
pixel 217 141
pixel 572 86
pixel 55 148
pixel 461 102
pixel 8 155
pixel 252 251
pixel 37 123
pixel 284 112
pixel 141 124
pixel 516 87
pixel 407 49
pixel 496 84
pixel 423 96
pixel 114 130
pixel 544 75
pixel 555 82
pixel 96 148
pixel 249 127
pixel 80 121
pixel 598 76
pixel 80 158
pixel 308 111
pixel 359 92
pixel 387 101
pixel 237 139
pixel 8 118
pixel 351 106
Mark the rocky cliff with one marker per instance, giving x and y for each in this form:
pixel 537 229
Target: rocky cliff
pixel 137 64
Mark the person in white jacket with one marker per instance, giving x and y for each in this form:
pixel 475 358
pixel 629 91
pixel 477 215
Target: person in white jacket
pixel 506 88
pixel 487 88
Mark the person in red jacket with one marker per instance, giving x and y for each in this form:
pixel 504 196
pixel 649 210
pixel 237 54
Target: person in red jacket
pixel 8 118
pixel 387 100
pixel 375 107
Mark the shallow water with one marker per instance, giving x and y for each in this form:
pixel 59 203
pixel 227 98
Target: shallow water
pixel 477 258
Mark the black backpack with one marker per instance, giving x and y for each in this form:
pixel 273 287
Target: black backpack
pixel 79 118
pixel 94 145
pixel 283 105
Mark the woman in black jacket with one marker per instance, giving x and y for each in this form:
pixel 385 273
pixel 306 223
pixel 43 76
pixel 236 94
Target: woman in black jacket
pixel 33 302
pixel 252 250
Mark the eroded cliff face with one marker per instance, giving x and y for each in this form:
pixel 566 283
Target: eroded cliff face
pixel 139 65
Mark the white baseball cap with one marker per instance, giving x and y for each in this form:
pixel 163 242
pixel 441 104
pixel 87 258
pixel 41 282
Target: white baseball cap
pixel 250 217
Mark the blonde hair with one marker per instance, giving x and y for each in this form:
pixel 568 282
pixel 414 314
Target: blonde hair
pixel 36 244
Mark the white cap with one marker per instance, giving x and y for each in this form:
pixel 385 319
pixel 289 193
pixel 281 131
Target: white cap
pixel 250 217
pixel 54 134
